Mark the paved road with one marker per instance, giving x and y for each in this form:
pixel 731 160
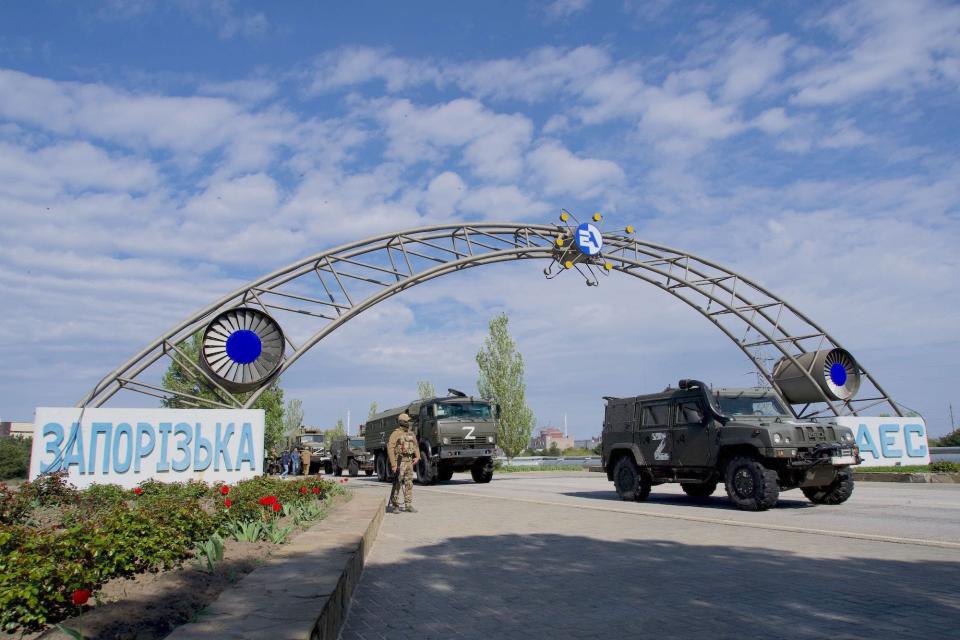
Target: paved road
pixel 556 555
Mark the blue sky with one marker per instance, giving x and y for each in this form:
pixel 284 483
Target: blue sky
pixel 155 155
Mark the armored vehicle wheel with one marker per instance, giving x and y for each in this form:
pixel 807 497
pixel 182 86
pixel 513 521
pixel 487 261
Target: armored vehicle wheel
pixel 631 485
pixel 369 472
pixel 836 492
pixel 699 489
pixel 381 464
pixel 337 470
pixel 354 468
pixel 750 485
pixel 445 474
pixel 426 470
pixel 327 468
pixel 482 472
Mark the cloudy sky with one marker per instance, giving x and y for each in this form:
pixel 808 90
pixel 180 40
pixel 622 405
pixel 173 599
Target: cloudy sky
pixel 156 155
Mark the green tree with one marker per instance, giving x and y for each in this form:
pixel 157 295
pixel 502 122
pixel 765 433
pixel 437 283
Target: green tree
pixel 501 380
pixel 186 380
pixel 426 390
pixel 374 410
pixel 952 439
pixel 331 434
pixel 293 418
pixel 14 457
pixel 554 450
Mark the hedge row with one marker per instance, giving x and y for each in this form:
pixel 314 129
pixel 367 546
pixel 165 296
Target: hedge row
pixel 58 546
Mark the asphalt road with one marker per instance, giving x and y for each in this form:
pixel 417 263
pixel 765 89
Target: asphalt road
pixel 558 555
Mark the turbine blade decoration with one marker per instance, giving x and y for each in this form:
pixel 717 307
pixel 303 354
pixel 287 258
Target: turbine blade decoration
pixel 242 348
pixel 579 248
pixel 835 372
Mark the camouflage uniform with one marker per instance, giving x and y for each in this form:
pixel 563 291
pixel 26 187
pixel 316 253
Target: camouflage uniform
pixel 404 453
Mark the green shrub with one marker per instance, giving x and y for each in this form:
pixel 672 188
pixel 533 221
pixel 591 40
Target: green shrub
pixel 104 496
pixel 945 466
pixel 51 489
pixel 14 506
pixel 14 457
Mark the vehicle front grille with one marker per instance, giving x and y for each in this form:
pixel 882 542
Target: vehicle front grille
pixel 475 443
pixel 816 433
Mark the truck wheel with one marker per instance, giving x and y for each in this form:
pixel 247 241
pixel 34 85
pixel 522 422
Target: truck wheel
pixel 354 468
pixel 445 474
pixel 426 471
pixel 369 472
pixel 836 492
pixel 382 474
pixel 750 485
pixel 482 472
pixel 631 485
pixel 337 469
pixel 327 468
pixel 699 489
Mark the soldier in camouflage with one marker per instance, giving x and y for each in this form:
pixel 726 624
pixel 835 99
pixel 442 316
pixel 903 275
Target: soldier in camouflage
pixel 404 453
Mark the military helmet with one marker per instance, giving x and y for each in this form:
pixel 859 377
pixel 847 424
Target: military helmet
pixel 403 418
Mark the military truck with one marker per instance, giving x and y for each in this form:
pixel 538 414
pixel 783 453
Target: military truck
pixel 744 438
pixel 455 432
pixel 313 439
pixel 349 453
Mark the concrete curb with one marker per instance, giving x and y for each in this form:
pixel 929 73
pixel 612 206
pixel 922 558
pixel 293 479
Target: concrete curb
pixel 303 590
pixel 917 478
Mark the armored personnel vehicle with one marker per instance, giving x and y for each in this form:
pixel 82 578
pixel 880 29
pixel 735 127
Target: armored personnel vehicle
pixel 350 454
pixel 455 432
pixel 744 438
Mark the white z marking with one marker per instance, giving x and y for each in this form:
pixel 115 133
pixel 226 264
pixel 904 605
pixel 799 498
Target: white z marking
pixel 469 435
pixel 660 454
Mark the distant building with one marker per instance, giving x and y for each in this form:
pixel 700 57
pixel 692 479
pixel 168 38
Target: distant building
pixel 589 443
pixel 18 429
pixel 549 436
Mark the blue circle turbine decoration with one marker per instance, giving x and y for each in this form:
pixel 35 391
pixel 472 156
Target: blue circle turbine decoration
pixel 242 349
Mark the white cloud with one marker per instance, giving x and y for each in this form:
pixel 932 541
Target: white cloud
pixel 492 143
pixel 358 65
pixel 560 9
pixel 751 65
pixel 563 173
pixel 443 194
pixel 886 46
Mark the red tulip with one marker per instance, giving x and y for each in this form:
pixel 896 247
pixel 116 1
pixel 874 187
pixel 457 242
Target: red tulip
pixel 80 596
pixel 346 479
pixel 303 490
pixel 268 500
pixel 137 491
pixel 224 490
pixel 227 502
pixel 316 489
pixel 276 507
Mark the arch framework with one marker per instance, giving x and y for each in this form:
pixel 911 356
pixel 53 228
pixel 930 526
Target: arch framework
pixel 326 290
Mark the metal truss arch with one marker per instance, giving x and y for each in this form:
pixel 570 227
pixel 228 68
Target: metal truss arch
pixel 330 288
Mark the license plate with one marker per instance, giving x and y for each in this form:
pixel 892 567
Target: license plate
pixel 836 460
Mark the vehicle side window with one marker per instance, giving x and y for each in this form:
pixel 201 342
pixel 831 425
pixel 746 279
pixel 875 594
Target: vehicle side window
pixel 655 415
pixel 688 413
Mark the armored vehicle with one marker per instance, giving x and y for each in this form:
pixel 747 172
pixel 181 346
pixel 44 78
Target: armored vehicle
pixel 744 438
pixel 349 453
pixel 455 432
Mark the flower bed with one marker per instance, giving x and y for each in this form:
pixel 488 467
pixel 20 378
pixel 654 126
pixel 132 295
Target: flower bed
pixel 58 546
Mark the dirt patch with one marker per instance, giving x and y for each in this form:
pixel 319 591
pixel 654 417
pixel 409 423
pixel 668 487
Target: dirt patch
pixel 149 606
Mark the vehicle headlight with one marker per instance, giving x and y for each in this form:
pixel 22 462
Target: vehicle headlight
pixel 490 439
pixel 848 437
pixel 446 441
pixel 777 438
pixel 786 439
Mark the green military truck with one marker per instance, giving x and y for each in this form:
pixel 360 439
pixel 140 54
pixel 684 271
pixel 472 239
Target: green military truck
pixel 744 438
pixel 455 432
pixel 350 454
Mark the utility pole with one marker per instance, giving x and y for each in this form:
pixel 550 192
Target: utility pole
pixel 348 422
pixel 564 424
pixel 953 425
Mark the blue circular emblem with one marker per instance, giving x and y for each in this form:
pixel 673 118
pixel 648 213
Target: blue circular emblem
pixel 588 239
pixel 838 374
pixel 244 346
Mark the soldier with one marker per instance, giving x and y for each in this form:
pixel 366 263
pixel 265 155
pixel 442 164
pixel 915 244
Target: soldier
pixel 305 458
pixel 404 453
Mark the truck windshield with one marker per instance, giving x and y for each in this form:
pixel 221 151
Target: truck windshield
pixel 767 406
pixel 356 443
pixel 471 410
pixel 314 437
